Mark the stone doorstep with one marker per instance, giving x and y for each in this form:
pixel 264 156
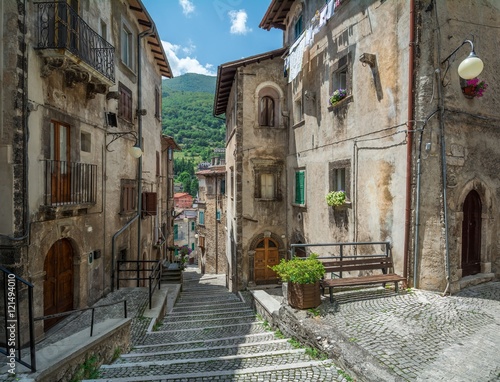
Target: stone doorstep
pixel 50 358
pixel 477 279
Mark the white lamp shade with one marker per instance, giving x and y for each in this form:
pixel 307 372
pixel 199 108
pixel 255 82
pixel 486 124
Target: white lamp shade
pixel 135 151
pixel 471 67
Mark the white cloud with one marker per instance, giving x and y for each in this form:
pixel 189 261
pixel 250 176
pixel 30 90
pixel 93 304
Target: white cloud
pixel 186 64
pixel 239 22
pixel 187 7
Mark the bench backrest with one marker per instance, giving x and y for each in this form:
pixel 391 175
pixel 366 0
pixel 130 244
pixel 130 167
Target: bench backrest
pixel 348 265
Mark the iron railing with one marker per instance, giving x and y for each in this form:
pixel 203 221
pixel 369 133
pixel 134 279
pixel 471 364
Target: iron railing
pixel 62 314
pixel 154 277
pixel 17 312
pixel 69 183
pixel 60 27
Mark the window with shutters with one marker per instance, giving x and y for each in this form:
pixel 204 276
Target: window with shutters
pixel 157 103
pixel 176 232
pixel 340 177
pixel 149 204
pixel 128 196
pixel 201 217
pixel 158 164
pixel 300 187
pixel 268 107
pixel 125 102
pixel 267 179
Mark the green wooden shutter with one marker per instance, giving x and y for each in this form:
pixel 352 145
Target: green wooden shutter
pixel 299 187
pixel 176 232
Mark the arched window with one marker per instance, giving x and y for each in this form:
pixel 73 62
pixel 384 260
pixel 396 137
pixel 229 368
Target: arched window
pixel 268 107
pixel 266 111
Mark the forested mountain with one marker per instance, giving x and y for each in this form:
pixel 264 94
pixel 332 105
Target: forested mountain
pixel 187 115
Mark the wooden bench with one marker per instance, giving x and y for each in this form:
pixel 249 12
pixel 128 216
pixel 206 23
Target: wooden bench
pixel 383 262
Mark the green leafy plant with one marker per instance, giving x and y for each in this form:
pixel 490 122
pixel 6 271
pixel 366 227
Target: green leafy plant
pixel 335 198
pixel 299 270
pixel 338 95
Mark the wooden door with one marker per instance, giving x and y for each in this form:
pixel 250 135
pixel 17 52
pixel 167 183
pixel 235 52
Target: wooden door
pixel 471 235
pixel 60 168
pixel 58 284
pixel 266 254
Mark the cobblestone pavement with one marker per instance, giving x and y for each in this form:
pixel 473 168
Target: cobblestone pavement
pixel 421 335
pixel 211 335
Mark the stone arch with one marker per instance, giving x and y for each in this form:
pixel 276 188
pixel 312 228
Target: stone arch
pixel 487 225
pixel 253 245
pixel 269 90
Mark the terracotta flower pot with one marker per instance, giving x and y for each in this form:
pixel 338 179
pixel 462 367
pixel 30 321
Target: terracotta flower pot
pixel 304 296
pixel 469 91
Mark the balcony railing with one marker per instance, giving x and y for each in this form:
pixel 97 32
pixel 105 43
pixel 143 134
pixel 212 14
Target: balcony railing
pixel 60 27
pixel 68 183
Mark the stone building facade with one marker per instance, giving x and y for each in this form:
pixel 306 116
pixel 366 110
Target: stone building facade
pixel 212 210
pixel 81 86
pixel 251 92
pixel 417 158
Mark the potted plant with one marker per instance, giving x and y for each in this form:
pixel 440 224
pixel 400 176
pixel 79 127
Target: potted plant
pixel 337 95
pixel 303 276
pixel 474 88
pixel 335 198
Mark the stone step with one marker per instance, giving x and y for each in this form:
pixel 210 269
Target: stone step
pixel 196 298
pixel 235 313
pixel 202 323
pixel 290 359
pixel 206 343
pixel 317 371
pixel 201 307
pixel 207 332
pixel 206 352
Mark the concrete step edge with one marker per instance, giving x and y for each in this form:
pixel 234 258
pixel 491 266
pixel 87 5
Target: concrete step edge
pixel 200 360
pixel 200 349
pixel 246 336
pixel 252 370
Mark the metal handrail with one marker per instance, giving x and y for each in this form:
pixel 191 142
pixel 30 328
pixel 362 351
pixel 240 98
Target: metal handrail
pixel 12 316
pixel 55 315
pixel 154 276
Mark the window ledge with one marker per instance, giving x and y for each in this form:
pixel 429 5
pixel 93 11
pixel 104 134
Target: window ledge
pixel 342 103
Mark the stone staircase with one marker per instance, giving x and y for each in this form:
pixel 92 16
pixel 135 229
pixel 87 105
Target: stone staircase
pixel 171 274
pixel 211 335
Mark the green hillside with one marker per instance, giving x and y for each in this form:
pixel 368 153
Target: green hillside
pixel 187 115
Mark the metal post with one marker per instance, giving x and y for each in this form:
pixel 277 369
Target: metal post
pixel 92 323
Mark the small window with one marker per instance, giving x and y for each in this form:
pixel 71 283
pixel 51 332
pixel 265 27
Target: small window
pixel 222 186
pixel 157 103
pixel 339 176
pixel 85 141
pixel 341 75
pixel 267 186
pixel 267 111
pixel 192 226
pixel 125 103
pixel 300 185
pixel 127 40
pixel 201 241
pixel 298 111
pixel 218 215
pixel 104 30
pixel 158 163
pixel 298 28
pixel 176 232
pixel 128 195
pixel 201 217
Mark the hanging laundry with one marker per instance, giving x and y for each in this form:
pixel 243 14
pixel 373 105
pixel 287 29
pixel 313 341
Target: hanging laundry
pixel 295 56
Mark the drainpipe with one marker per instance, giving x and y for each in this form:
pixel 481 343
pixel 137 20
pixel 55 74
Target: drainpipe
pixel 444 184
pixel 409 147
pixel 145 33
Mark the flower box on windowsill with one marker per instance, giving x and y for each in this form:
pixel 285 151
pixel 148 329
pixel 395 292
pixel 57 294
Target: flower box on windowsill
pixel 343 102
pixel 346 204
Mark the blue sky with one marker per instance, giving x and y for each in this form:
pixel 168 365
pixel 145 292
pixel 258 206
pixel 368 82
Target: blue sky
pixel 199 35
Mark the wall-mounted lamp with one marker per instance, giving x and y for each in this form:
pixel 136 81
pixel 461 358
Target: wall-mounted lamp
pixel 135 150
pixel 472 66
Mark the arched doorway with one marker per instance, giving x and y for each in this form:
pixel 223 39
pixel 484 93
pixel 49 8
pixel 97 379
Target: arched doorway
pixel 58 284
pixel 266 254
pixel 471 234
